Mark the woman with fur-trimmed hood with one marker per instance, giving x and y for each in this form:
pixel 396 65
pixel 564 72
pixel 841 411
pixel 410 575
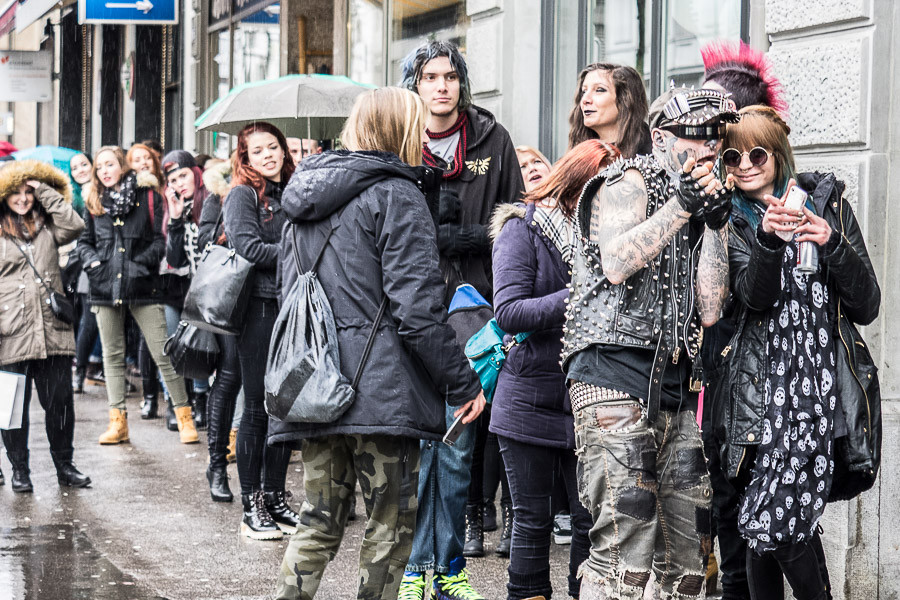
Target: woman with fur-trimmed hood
pixel 36 218
pixel 121 249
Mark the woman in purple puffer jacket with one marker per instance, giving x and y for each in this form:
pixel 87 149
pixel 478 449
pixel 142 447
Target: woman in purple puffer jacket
pixel 531 413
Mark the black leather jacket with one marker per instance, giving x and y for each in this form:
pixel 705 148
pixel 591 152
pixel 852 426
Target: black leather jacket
pixel 755 265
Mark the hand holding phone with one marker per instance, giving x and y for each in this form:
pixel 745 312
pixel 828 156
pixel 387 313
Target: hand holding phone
pixel 454 431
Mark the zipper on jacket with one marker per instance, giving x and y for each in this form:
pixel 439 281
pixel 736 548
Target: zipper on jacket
pixel 847 347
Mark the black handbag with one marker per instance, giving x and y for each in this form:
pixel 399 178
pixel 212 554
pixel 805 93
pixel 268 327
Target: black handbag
pixel 194 352
pixel 220 290
pixel 61 307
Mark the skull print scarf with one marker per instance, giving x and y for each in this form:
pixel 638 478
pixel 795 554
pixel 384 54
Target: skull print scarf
pixel 791 478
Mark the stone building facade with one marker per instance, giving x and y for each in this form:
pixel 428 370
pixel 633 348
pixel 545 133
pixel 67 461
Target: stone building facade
pixel 836 61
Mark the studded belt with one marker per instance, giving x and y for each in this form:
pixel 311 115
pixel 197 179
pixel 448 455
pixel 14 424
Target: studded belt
pixel 583 395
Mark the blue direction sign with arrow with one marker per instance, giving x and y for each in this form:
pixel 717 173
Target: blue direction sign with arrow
pixel 141 12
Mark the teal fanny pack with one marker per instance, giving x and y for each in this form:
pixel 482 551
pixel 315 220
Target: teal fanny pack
pixel 487 353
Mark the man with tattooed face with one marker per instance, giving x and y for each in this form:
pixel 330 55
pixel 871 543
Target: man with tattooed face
pixel 651 266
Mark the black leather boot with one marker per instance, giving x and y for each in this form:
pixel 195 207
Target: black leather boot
pixel 78 380
pixel 171 419
pixel 257 523
pixel 283 515
pixel 218 484
pixel 149 407
pixel 66 473
pixel 21 474
pixel 505 543
pixel 198 404
pixel 490 515
pixel 474 546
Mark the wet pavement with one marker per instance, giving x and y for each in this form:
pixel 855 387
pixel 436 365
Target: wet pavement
pixel 147 529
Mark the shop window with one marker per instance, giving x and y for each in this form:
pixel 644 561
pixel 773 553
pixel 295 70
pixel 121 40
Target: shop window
pixel 691 24
pixel 414 23
pixel 366 41
pixel 256 46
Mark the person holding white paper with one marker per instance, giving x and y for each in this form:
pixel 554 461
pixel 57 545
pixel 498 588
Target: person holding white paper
pixel 36 337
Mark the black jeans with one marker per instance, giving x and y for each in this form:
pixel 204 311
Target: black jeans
pixel 532 472
pixel 259 466
pixel 487 464
pixel 803 565
pixel 87 333
pixel 52 379
pixel 222 397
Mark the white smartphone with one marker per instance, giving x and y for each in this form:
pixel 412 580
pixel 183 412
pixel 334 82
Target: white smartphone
pixel 796 200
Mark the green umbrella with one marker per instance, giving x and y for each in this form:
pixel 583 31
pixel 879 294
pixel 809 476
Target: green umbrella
pixel 57 156
pixel 309 106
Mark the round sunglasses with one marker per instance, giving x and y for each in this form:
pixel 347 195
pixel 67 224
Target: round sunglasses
pixel 758 157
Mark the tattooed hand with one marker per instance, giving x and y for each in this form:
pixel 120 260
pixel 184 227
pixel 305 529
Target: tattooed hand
pixel 712 275
pixel 696 183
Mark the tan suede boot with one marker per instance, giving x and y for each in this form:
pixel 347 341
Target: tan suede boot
pixel 186 428
pixel 232 446
pixel 118 428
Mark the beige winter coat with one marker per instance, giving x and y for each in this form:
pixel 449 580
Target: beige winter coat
pixel 28 328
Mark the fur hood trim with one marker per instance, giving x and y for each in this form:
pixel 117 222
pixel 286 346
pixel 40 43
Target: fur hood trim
pixel 147 180
pixel 502 214
pixel 15 173
pixel 216 179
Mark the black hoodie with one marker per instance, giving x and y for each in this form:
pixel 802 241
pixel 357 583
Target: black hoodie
pixel 490 176
pixel 383 244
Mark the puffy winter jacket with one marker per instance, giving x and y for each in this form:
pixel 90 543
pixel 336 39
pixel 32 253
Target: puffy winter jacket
pixel 531 404
pixel 755 269
pixel 384 245
pixel 28 328
pixel 129 250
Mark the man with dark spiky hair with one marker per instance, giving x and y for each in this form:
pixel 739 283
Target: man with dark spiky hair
pixel 480 170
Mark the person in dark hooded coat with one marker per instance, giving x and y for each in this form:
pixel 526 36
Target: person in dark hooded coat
pixel 383 245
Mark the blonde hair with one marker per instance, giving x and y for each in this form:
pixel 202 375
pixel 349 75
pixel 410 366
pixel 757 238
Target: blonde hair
pixel 389 119
pixel 92 202
pixel 534 152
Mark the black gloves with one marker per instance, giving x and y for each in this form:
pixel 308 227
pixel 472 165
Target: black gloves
pixel 459 240
pixel 717 209
pixel 689 193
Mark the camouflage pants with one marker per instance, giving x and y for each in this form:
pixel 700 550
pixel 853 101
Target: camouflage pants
pixel 387 468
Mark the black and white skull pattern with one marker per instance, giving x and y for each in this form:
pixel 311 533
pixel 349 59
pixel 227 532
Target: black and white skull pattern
pixel 791 477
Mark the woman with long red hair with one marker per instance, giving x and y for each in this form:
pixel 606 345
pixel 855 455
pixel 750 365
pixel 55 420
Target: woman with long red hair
pixel 531 414
pixel 261 168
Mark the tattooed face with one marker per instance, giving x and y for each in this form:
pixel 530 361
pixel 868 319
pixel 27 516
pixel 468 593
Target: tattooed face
pixel 673 152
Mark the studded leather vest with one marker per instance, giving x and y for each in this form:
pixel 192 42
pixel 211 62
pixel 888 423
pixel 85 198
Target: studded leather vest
pixel 654 308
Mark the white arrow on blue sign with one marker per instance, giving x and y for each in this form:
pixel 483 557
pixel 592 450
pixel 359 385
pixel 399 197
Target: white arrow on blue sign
pixel 140 12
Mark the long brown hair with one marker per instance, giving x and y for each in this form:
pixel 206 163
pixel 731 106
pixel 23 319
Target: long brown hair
pixel 571 172
pixel 22 227
pixel 92 202
pixel 241 171
pixel 154 159
pixel 631 102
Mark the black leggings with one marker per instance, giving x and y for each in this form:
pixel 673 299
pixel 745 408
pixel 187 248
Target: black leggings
pixel 487 464
pixel 259 466
pixel 803 565
pixel 52 378
pixel 222 397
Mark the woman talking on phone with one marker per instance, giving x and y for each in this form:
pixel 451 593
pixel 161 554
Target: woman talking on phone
pixel 795 415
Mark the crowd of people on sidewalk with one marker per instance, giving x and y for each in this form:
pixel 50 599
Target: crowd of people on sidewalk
pixel 682 360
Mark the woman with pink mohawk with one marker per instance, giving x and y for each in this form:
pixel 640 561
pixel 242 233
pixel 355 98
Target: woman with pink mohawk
pixel 745 73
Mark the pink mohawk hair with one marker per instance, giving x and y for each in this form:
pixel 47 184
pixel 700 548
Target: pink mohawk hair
pixel 745 72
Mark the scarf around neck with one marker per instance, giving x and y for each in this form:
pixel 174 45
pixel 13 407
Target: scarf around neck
pixel 459 157
pixel 557 227
pixel 120 202
pixel 792 475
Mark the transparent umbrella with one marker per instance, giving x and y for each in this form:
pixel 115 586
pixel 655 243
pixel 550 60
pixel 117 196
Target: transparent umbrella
pixel 310 106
